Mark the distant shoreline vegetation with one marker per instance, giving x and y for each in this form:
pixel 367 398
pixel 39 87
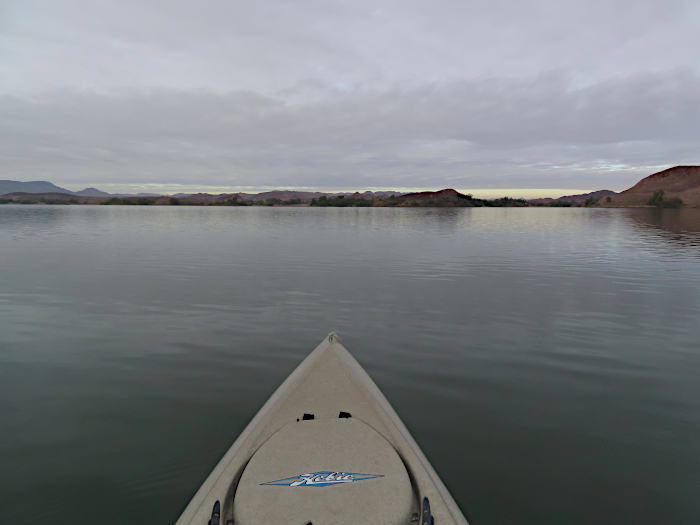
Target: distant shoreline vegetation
pixel 40 200
pixel 438 199
pixel 272 201
pixel 677 187
pixel 138 201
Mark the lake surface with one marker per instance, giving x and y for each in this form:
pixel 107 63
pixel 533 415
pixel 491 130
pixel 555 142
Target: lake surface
pixel 547 361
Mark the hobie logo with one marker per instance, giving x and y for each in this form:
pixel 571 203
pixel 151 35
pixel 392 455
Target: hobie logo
pixel 322 479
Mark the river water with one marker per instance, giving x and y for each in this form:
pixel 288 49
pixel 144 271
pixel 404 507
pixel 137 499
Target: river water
pixel 547 361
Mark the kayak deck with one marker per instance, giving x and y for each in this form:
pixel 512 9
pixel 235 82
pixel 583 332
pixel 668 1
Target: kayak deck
pixel 327 449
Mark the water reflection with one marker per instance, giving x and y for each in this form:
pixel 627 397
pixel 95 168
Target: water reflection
pixel 680 228
pixel 545 359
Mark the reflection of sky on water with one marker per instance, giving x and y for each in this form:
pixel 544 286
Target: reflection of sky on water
pixel 539 356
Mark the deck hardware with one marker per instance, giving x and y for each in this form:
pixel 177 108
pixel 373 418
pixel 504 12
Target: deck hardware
pixel 345 415
pixel 215 514
pixel 306 417
pixel 427 518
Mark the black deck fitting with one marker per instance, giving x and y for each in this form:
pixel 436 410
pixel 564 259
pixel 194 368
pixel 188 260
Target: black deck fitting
pixel 215 514
pixel 426 518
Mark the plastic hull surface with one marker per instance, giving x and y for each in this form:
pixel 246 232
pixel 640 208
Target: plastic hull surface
pixel 305 425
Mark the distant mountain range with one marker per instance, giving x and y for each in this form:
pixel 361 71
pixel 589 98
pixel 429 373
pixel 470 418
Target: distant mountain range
pixel 11 186
pixel 680 182
pixel 37 186
pixel 42 186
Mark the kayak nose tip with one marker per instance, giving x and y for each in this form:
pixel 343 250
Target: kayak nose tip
pixel 333 338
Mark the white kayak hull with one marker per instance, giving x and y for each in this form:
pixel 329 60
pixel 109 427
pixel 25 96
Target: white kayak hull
pixel 326 449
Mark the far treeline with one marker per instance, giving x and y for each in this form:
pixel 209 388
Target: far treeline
pixel 671 188
pixel 439 199
pixel 173 201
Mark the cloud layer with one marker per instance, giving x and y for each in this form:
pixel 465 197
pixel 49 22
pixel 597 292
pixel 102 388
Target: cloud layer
pixel 348 95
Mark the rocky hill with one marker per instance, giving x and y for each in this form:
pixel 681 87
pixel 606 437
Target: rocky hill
pixel 444 198
pixel 681 182
pixel 582 197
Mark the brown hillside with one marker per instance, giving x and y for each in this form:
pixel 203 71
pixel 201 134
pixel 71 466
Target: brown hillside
pixel 50 198
pixel 444 198
pixel 673 180
pixel 432 195
pixel 284 195
pixel 206 198
pixel 574 198
pixel 682 182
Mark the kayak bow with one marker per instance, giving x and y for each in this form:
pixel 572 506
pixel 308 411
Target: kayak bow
pixel 326 449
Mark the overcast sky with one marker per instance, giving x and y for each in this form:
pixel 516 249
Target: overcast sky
pixel 132 95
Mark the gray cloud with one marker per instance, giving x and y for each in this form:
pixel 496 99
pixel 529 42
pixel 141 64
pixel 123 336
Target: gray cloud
pixel 348 94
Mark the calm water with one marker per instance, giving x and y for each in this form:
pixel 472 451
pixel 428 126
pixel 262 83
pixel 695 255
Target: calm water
pixel 546 360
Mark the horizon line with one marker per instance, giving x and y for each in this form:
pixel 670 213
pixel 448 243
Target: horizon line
pixel 171 189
